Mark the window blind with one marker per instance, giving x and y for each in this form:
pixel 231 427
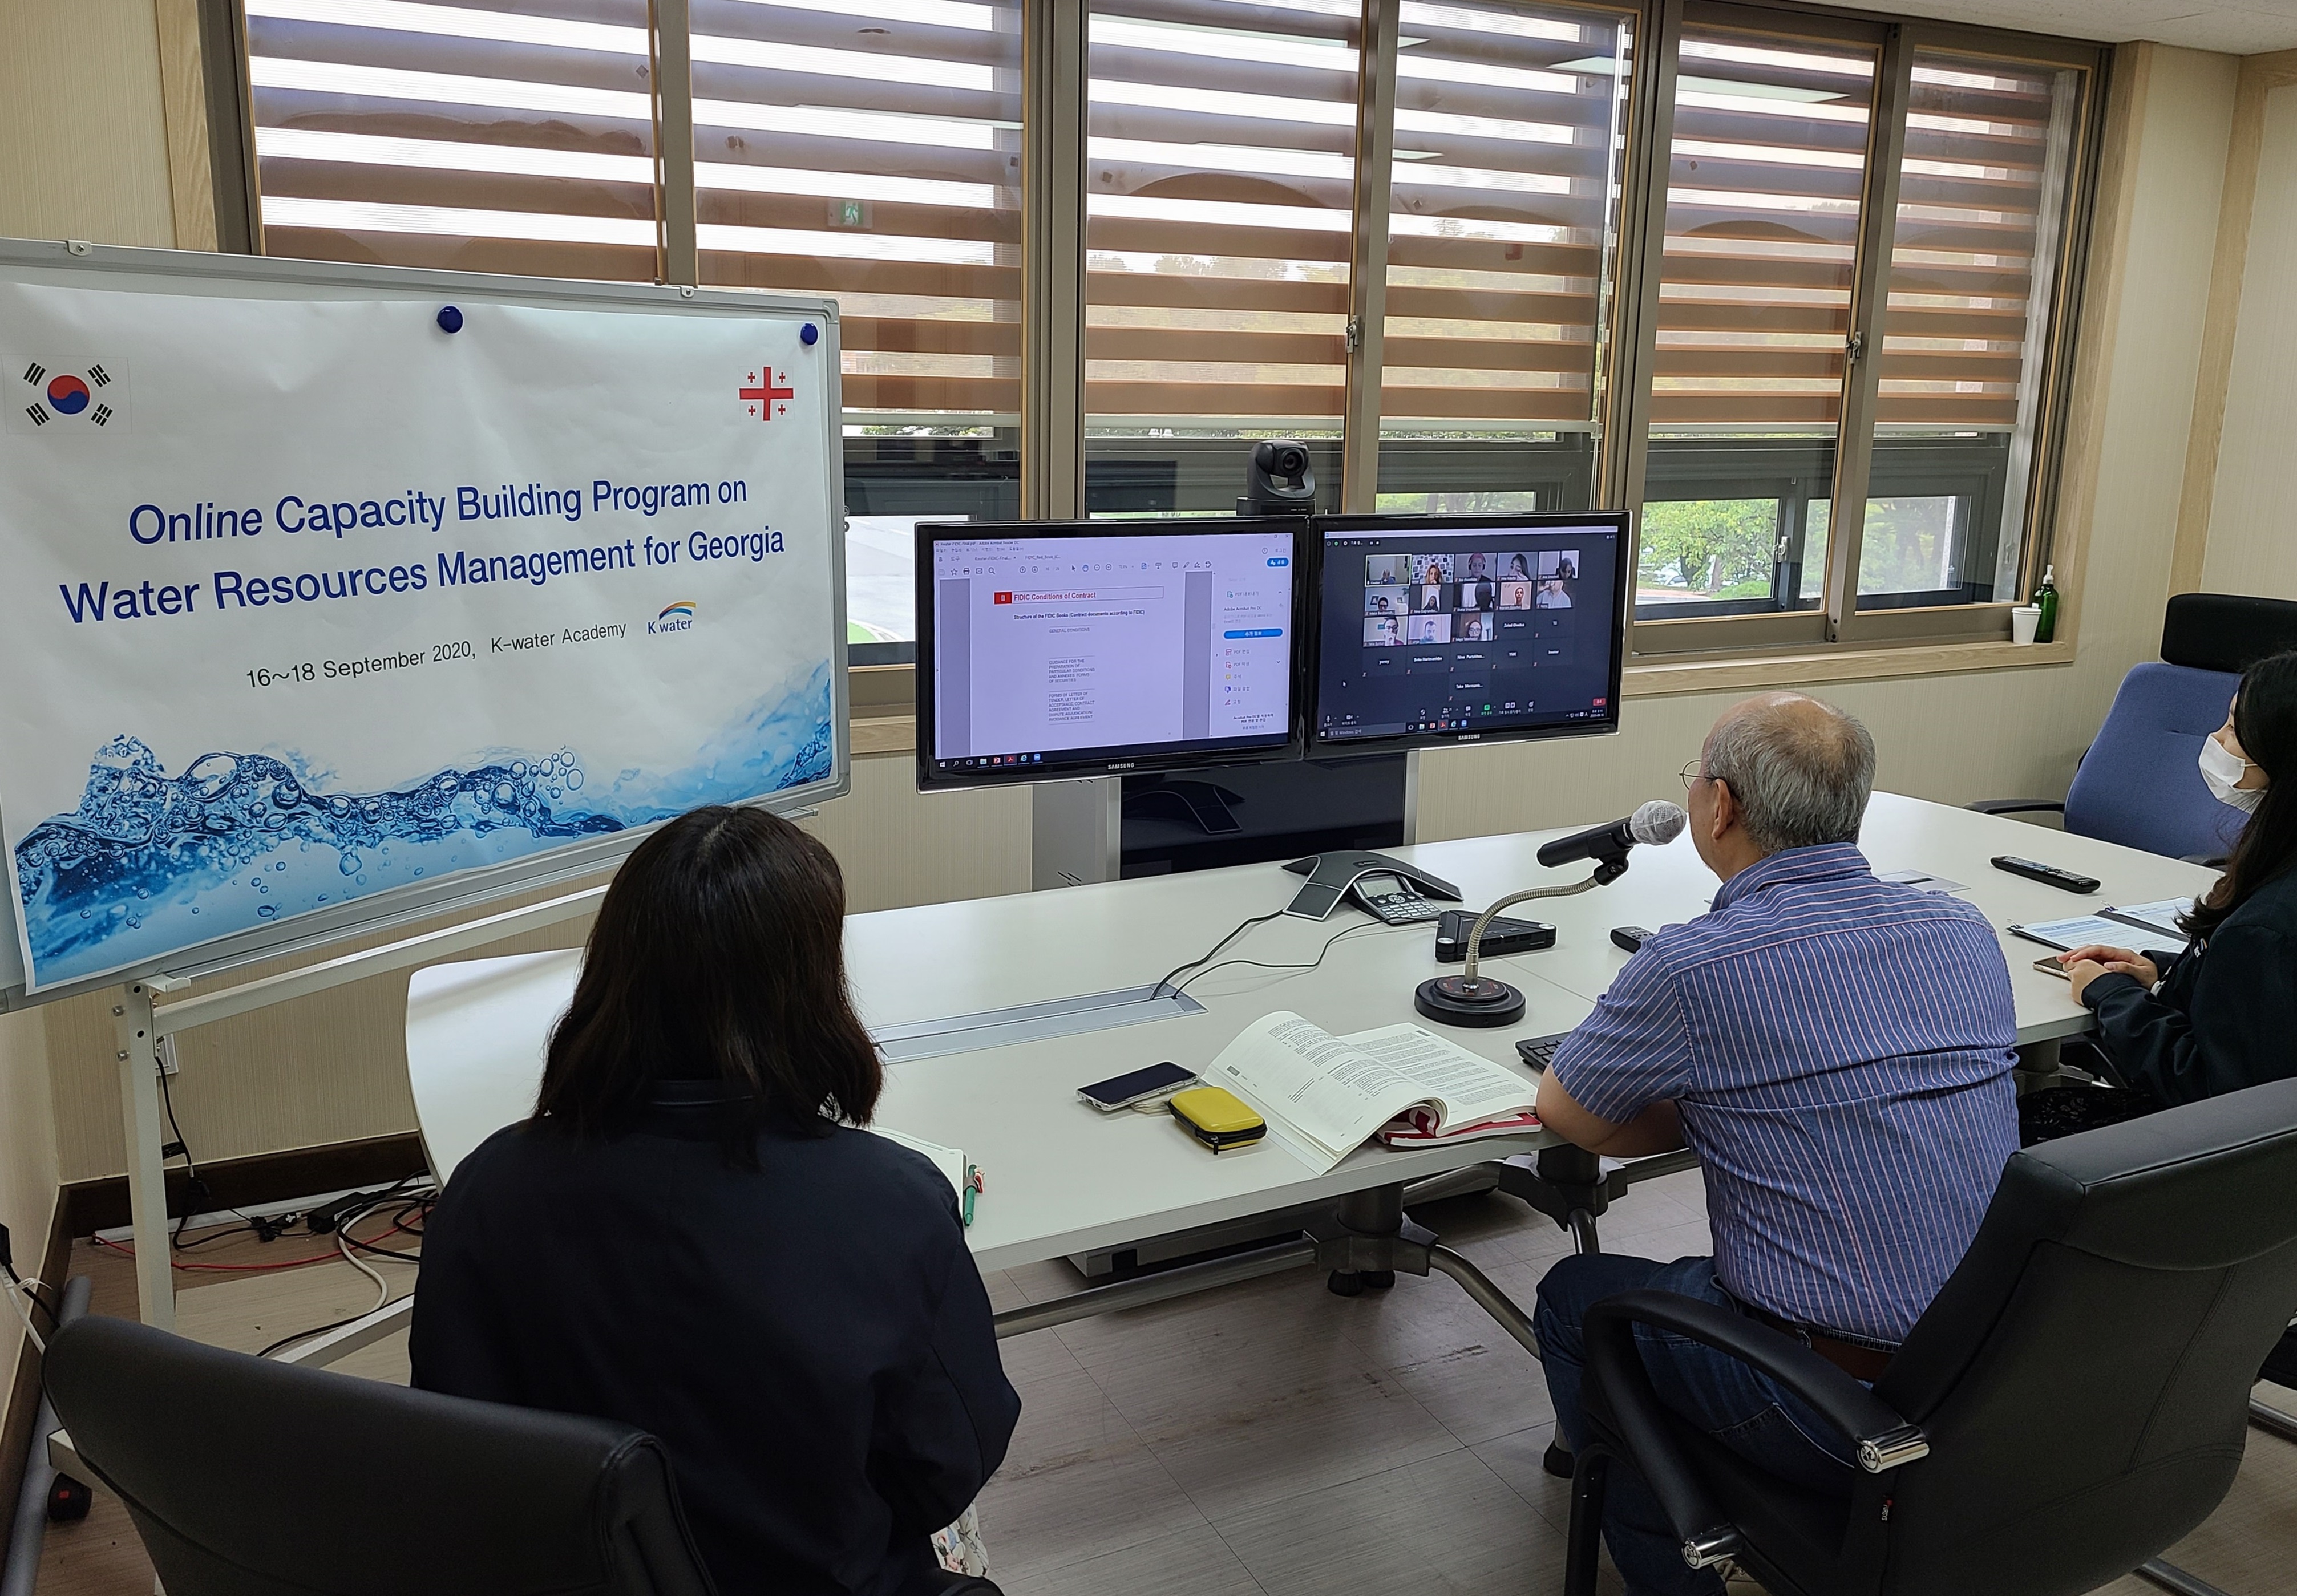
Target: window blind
pixel 1767 171
pixel 457 135
pixel 1979 190
pixel 871 150
pixel 1508 129
pixel 1220 172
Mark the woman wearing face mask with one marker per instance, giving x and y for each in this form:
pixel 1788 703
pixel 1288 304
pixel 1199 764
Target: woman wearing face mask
pixel 2222 1015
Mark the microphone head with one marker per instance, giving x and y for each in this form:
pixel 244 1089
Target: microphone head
pixel 1657 822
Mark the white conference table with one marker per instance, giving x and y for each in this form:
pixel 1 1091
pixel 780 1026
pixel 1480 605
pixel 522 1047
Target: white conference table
pixel 1063 1179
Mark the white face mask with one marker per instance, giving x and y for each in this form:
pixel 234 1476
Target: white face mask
pixel 2221 769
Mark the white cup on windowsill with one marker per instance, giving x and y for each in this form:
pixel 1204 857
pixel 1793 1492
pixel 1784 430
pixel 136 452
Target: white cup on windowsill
pixel 2025 621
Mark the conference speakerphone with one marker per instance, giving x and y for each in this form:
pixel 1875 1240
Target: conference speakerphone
pixel 1053 649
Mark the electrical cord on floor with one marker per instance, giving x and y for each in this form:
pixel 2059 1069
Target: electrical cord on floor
pixel 197 1191
pixel 20 1288
pixel 1157 990
pixel 287 1341
pixel 38 1343
pixel 382 1285
pixel 345 1242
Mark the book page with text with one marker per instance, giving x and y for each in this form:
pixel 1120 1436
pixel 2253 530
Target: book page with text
pixel 1465 1087
pixel 1322 1097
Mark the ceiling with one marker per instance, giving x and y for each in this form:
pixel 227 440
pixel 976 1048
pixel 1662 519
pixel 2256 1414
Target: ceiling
pixel 2247 28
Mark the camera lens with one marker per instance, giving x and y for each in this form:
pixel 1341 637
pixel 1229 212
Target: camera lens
pixel 1290 460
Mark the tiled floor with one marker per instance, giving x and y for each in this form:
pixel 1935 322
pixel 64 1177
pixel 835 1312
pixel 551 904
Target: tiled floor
pixel 1269 1439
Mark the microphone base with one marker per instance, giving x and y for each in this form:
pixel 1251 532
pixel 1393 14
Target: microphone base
pixel 1480 1003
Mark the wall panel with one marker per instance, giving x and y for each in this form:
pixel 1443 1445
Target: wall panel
pixel 83 129
pixel 2252 547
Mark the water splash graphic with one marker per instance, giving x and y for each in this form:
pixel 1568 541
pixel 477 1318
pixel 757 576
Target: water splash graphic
pixel 151 863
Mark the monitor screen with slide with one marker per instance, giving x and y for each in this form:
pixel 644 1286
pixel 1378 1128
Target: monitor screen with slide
pixel 1464 628
pixel 1055 649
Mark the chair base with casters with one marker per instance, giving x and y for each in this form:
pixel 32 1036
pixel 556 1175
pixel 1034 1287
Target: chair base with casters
pixel 1989 1459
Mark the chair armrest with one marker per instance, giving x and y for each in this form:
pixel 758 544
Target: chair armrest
pixel 1881 1439
pixel 2016 806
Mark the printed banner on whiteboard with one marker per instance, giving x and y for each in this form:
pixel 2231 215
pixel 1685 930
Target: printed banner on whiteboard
pixel 309 599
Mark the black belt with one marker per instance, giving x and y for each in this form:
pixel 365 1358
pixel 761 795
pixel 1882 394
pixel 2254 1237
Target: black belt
pixel 1860 1360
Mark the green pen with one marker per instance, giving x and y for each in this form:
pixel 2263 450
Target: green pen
pixel 972 1186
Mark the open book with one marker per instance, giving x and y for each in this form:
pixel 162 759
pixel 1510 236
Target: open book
pixel 1324 1096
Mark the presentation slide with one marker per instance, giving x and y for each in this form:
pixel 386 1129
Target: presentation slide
pixel 310 598
pixel 1061 647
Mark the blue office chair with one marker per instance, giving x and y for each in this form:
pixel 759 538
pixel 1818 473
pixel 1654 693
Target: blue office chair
pixel 2138 785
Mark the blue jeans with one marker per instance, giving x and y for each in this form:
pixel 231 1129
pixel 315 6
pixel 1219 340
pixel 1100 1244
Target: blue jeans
pixel 1768 1426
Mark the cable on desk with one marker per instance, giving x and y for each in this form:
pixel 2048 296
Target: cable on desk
pixel 1213 952
pixel 1262 964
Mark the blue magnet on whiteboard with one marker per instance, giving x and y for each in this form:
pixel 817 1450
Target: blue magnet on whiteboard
pixel 450 320
pixel 809 334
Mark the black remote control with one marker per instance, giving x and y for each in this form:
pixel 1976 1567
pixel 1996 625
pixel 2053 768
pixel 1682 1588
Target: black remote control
pixel 2048 875
pixel 1630 937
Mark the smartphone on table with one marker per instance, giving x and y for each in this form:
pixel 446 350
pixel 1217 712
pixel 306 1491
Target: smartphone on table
pixel 1123 1091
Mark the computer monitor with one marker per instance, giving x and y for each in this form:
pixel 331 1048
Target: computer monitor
pixel 1051 649
pixel 1466 628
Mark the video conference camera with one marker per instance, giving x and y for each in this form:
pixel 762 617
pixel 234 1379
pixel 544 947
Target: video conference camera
pixel 1279 480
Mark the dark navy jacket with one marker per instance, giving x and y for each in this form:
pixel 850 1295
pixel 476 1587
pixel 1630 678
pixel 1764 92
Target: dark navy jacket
pixel 810 1340
pixel 2225 1017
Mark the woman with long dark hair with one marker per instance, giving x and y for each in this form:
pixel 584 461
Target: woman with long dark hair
pixel 692 1234
pixel 2223 1013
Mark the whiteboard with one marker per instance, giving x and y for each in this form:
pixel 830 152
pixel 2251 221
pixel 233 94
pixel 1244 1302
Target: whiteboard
pixel 343 596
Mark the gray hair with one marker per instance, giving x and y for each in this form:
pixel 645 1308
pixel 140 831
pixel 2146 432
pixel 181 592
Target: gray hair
pixel 1801 770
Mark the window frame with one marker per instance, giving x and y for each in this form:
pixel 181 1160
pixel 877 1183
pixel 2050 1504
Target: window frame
pixel 1616 469
pixel 1839 620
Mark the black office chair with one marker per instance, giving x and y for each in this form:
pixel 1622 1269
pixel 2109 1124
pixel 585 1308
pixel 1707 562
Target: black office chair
pixel 252 1478
pixel 2071 1403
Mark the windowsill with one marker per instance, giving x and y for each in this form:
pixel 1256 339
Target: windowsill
pixel 1658 679
pixel 883 724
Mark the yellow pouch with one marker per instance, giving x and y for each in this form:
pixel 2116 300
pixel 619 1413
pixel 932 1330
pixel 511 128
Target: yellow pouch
pixel 1217 1117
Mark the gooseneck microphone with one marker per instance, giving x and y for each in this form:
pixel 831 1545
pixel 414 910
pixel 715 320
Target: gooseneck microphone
pixel 1657 822
pixel 1467 998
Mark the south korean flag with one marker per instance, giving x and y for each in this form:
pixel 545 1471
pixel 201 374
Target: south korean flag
pixel 53 399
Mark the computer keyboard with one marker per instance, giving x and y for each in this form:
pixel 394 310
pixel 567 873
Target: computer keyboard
pixel 1539 1051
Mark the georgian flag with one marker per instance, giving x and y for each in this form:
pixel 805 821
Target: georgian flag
pixel 53 399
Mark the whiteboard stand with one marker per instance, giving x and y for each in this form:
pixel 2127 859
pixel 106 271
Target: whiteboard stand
pixel 141 1026
pixel 138 1028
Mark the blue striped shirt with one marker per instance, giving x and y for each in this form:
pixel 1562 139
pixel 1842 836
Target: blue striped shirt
pixel 1840 1049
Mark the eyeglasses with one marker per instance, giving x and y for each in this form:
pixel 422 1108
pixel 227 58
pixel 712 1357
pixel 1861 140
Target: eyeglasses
pixel 1692 776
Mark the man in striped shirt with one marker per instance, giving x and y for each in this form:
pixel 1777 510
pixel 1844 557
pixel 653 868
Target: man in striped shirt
pixel 1838 1051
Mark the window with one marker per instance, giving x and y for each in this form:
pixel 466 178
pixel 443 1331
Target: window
pixel 1503 238
pixel 872 150
pixel 455 136
pixel 1764 193
pixel 1786 383
pixel 1220 165
pixel 1973 275
pixel 1794 285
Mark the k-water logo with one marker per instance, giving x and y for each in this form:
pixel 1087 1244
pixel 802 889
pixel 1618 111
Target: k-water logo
pixel 674 618
pixel 55 401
